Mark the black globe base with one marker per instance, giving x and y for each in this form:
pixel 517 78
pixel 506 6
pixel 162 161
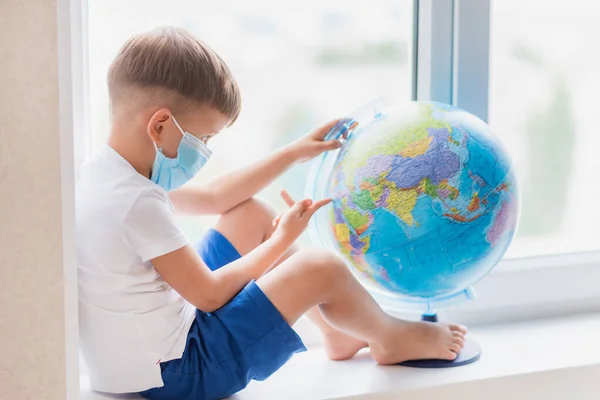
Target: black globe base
pixel 470 353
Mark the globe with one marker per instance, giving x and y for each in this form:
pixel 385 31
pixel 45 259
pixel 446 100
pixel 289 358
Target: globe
pixel 425 201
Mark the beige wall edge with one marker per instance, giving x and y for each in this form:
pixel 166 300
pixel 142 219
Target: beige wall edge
pixel 36 202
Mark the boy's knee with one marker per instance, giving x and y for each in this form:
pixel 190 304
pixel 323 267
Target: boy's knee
pixel 259 207
pixel 323 265
pixel 254 211
pixel 263 207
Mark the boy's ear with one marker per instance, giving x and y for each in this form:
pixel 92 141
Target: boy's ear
pixel 156 124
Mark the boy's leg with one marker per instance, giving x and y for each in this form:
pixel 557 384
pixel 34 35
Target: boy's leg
pixel 250 224
pixel 319 278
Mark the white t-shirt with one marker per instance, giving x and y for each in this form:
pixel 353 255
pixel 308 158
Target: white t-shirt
pixel 130 319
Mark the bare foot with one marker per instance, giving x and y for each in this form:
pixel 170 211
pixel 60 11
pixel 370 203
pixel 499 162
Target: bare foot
pixel 340 346
pixel 418 340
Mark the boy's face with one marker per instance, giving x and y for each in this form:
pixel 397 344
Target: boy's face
pixel 203 124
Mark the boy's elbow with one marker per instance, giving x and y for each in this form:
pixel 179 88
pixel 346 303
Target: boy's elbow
pixel 209 306
pixel 209 302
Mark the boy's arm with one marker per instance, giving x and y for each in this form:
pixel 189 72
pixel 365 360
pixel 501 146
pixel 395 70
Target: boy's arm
pixel 209 290
pixel 206 290
pixel 227 191
pixel 230 189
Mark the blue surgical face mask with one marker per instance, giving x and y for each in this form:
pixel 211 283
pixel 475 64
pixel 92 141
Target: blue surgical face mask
pixel 172 173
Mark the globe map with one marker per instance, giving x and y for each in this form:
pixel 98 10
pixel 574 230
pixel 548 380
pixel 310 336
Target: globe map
pixel 425 201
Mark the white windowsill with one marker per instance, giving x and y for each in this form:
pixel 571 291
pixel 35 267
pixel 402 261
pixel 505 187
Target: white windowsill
pixel 509 351
pixel 548 359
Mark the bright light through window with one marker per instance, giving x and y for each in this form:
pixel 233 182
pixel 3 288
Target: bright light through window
pixel 299 64
pixel 544 98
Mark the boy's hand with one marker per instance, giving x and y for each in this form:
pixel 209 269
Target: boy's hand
pixel 314 143
pixel 290 225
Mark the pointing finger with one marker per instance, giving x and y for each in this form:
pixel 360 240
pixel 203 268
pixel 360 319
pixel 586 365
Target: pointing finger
pixel 287 198
pixel 316 206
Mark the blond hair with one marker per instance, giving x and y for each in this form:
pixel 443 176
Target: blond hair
pixel 172 64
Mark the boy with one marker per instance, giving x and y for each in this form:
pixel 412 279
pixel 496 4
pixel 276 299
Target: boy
pixel 173 321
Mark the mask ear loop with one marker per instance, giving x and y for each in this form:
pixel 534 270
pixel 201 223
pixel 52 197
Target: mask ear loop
pixel 178 126
pixel 155 146
pixel 180 131
pixel 193 140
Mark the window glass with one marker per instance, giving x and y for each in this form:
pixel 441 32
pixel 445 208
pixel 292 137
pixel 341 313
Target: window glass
pixel 544 86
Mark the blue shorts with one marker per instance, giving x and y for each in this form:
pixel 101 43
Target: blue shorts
pixel 245 339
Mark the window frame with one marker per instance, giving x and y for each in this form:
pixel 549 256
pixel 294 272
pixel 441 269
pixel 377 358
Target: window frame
pixel 73 103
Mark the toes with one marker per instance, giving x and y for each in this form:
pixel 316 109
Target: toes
pixel 459 341
pixel 455 348
pixel 458 334
pixel 450 355
pixel 458 328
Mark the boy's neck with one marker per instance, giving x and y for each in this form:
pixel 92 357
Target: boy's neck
pixel 130 145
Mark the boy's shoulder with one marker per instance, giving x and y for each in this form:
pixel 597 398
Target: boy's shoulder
pixel 110 186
